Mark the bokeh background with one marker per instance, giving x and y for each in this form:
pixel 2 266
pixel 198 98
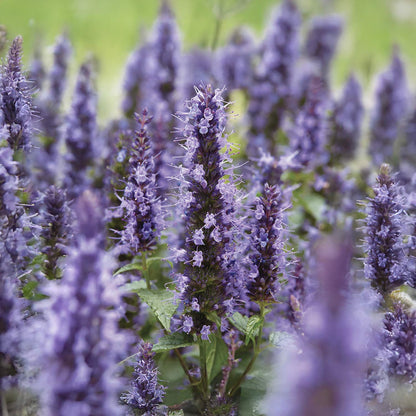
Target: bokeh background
pixel 110 29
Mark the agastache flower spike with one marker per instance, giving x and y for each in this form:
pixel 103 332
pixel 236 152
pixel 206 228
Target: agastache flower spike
pixel 322 40
pixel 146 394
pixel 345 122
pixel 135 77
pixel 235 61
pixel 165 56
pixel 390 107
pixel 208 214
pixel 81 343
pixel 143 212
pixel 270 89
pixel 322 375
pixel 266 248
pixel 308 137
pixel 81 129
pixel 16 99
pixel 55 220
pixel 385 264
pixel 400 343
pixel 408 149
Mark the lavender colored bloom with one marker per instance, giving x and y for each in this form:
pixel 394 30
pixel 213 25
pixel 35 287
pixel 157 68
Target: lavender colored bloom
pixel 55 220
pixel 196 67
pixel 143 212
pixel 322 375
pixel 390 107
pixel 9 323
pixel 37 71
pixel 385 264
pixel 408 148
pixel 164 57
pixel 81 129
pixel 146 394
pixel 400 343
pixel 270 90
pixel 322 40
pixel 209 263
pixel 12 215
pixel 266 247
pixel 235 60
pixel 135 77
pixel 308 137
pixel 16 99
pixel 81 343
pixel 345 122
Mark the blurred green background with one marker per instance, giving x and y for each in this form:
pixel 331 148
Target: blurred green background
pixel 110 30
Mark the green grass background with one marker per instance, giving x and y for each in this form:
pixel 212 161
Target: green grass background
pixel 110 29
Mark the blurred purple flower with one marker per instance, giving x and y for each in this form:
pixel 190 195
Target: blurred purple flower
pixel 389 109
pixel 81 344
pixel 345 122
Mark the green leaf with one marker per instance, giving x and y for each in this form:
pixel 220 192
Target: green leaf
pixel 253 326
pixel 239 321
pixel 280 339
pixel 129 267
pixel 172 341
pixel 134 286
pixel 153 259
pixel 217 355
pixel 161 303
pixel 176 413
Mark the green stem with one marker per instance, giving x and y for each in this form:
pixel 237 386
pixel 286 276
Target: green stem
pixel 4 410
pixel 257 349
pixel 145 270
pixel 204 371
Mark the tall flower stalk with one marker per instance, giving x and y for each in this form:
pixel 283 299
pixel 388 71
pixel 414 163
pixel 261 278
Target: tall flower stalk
pixel 79 352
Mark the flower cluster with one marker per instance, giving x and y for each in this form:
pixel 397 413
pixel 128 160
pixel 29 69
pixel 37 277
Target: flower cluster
pixel 400 343
pixel 81 129
pixel 270 90
pixel 207 199
pixel 322 40
pixel 146 394
pixel 140 203
pixel 345 122
pixel 384 265
pixel 56 230
pixel 308 137
pixel 81 343
pixel 16 103
pixel 390 106
pixel 266 248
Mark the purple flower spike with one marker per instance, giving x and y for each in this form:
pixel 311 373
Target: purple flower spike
pixel 81 344
pixel 408 149
pixel 266 248
pixel 322 40
pixel 322 374
pixel 400 343
pixel 16 99
pixel 165 56
pixel 308 137
pixel 345 122
pixel 56 230
pixel 207 202
pixel 270 89
pixel 235 61
pixel 81 129
pixel 140 202
pixel 9 323
pixel 146 394
pixel 385 264
pixel 135 77
pixel 390 108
